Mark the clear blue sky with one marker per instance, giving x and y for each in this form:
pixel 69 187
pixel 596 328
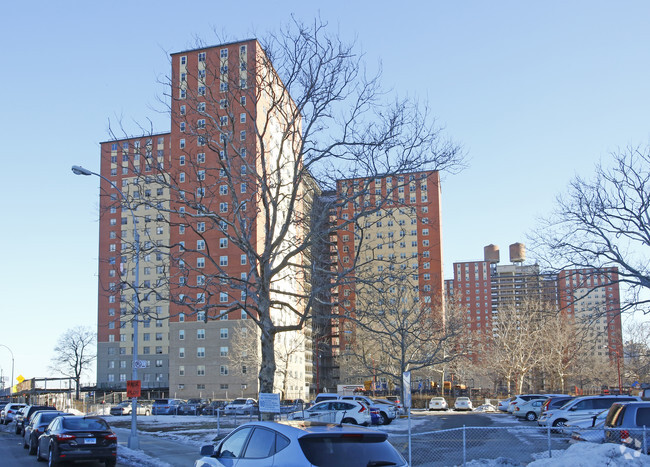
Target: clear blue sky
pixel 535 92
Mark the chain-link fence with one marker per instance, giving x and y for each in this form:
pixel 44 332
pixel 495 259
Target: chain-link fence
pixel 458 446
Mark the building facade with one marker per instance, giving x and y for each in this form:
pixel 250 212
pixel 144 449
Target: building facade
pixel 202 222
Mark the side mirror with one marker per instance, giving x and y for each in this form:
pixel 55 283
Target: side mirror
pixel 207 450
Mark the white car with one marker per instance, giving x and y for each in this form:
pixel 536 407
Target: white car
pixel 463 403
pixel 530 410
pixel 522 398
pixel 503 404
pixel 580 407
pixel 241 406
pixel 338 411
pixel 297 444
pixel 438 403
pixel 9 412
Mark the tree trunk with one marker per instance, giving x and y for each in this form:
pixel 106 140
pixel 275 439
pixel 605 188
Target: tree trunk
pixel 267 366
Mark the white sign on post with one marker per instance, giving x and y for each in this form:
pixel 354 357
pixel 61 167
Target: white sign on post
pixel 269 402
pixel 406 384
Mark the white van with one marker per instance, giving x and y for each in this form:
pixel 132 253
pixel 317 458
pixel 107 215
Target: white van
pixel 581 407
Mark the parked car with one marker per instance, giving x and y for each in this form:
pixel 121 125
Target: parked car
pixel 126 407
pixel 9 412
pixel 530 410
pixel 291 405
pixel 241 406
pixel 398 408
pixel 520 399
pixel 387 411
pixel 581 407
pixel 438 403
pixel 72 438
pixel 398 403
pixel 301 444
pixel 503 404
pixel 24 417
pixel 212 407
pixel 463 403
pixel 336 411
pixel 165 406
pixel 37 425
pixel 555 402
pixel 627 423
pixel 192 407
pixel 587 429
pixel 325 396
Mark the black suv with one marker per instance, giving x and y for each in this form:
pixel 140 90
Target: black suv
pixel 25 415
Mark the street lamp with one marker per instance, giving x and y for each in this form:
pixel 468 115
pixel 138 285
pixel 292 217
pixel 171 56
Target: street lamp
pixel 134 442
pixel 11 384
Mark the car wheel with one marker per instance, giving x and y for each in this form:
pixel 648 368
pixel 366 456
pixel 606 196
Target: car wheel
pixel 559 422
pixel 381 418
pixel 531 416
pixel 38 453
pixel 349 420
pixel 32 447
pixel 52 459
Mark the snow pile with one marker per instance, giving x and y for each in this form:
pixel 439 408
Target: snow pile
pixel 578 455
pixel 485 408
pixel 128 456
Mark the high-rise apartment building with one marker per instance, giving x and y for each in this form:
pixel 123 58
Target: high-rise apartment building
pixel 396 244
pixel 194 192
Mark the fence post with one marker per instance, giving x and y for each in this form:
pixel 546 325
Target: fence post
pixel 548 437
pixel 218 421
pixel 464 447
pixel 644 448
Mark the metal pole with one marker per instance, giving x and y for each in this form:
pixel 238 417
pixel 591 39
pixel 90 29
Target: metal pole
pixel 464 446
pixel 134 442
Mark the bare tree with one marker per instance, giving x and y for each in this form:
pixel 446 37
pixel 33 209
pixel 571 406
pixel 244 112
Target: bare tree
pixel 74 352
pixel 605 222
pixel 311 116
pixel 636 352
pixel 517 346
pixel 395 330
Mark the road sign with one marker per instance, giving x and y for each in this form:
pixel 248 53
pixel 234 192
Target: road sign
pixel 133 388
pixel 406 384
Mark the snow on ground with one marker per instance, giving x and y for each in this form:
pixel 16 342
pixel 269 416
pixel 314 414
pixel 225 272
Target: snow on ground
pixel 128 456
pixel 578 455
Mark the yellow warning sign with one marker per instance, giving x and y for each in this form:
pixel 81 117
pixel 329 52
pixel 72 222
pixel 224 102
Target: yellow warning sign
pixel 20 378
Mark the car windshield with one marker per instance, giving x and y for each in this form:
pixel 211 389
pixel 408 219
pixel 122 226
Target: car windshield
pixel 437 399
pixel 354 450
pixel 238 402
pixel 123 404
pixel 47 417
pixel 76 424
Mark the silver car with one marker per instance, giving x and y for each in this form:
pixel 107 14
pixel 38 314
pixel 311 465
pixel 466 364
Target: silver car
pixel 301 443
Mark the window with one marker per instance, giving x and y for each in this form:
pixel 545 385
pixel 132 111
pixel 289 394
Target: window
pixel 242 117
pixel 182 143
pixel 223 189
pixel 200 262
pixel 242 135
pixel 242 101
pixel 223 120
pixel 223 370
pixel 201 57
pixel 181 334
pixel 223 351
pixel 181 352
pixel 223 243
pixel 223 260
pixel 200 370
pixel 200 107
pixel 223 207
pixel 223 297
pixel 181 370
pixel 200 124
pixel 200 244
pixel 200 157
pixel 223 333
pixel 200 333
pixel 200 352
pixel 243 259
pixel 183 110
pixel 182 160
pixel 200 227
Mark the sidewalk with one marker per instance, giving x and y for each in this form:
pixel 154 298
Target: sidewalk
pixel 155 451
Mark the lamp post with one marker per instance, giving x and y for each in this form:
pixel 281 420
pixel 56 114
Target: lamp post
pixel 11 384
pixel 134 442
